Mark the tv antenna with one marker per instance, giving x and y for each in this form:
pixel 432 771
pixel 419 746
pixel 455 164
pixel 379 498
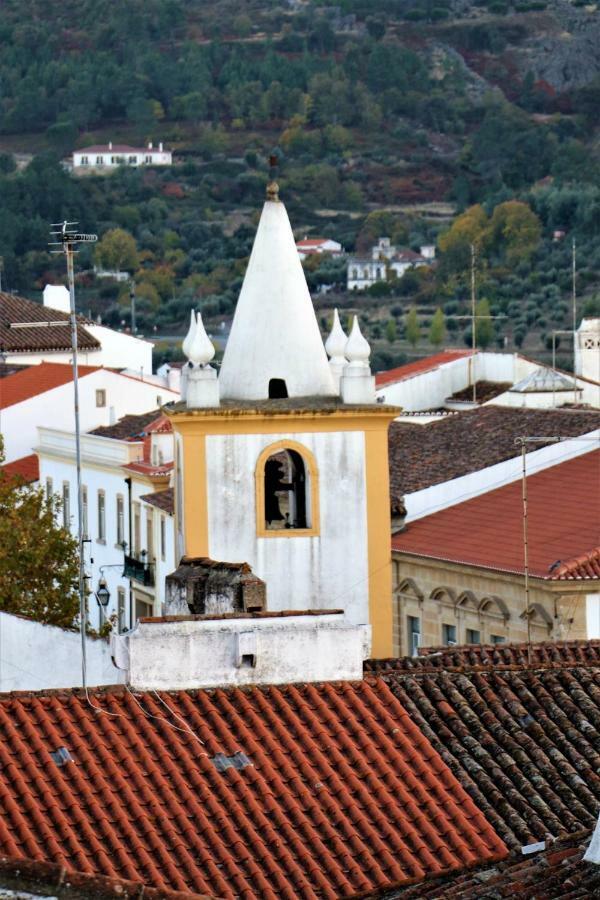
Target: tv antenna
pixel 66 238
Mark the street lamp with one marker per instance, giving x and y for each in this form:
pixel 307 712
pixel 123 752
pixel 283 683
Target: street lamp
pixel 102 593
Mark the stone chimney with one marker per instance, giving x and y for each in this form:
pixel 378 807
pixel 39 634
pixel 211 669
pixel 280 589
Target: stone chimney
pixel 202 586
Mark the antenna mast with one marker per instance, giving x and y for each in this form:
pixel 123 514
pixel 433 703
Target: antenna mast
pixel 65 238
pixel 473 325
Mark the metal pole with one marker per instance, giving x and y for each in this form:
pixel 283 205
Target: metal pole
pixel 80 534
pixel 526 551
pixel 132 298
pixel 473 320
pixel 574 277
pixel 554 370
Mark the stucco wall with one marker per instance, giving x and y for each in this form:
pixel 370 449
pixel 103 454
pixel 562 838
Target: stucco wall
pixel 35 656
pixel 54 408
pixel 325 571
pixel 194 654
pixel 414 576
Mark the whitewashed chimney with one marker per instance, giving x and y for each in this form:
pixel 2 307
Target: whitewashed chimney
pixel 56 296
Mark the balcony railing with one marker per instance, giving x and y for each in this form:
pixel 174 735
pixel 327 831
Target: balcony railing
pixel 138 570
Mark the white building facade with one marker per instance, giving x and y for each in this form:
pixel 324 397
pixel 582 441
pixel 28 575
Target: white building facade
pixel 104 397
pixel 130 542
pixel 110 156
pixel 385 262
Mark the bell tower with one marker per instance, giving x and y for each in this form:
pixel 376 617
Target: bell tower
pixel 282 460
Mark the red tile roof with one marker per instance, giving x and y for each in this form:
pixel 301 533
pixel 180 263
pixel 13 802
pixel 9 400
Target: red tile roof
pixel 164 500
pixel 556 872
pixel 16 310
pixel 35 875
pixel 311 242
pixel 118 148
pixel 149 470
pixel 563 525
pixel 428 364
pixel 344 795
pixel 544 654
pixel 26 468
pixel 35 380
pixel 523 741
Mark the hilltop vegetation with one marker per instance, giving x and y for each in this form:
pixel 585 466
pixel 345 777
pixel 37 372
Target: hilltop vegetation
pixel 387 117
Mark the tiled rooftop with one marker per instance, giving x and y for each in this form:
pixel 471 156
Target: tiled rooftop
pixel 164 500
pixel 35 380
pixel 343 797
pixel 14 309
pixel 563 514
pixel 428 364
pixel 129 428
pixel 41 878
pixel 424 455
pixel 524 742
pixel 556 873
pixel 26 468
pixel 542 655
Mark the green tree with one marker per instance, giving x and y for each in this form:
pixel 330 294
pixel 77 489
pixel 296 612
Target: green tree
pixel 117 250
pixel 516 229
pixel 437 329
pixel 413 329
pixel 471 227
pixel 484 327
pixel 38 559
pixel 391 331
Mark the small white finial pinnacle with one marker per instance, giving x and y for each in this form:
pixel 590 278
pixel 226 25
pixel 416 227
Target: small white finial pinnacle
pixel 201 349
pixel 187 341
pixel 357 350
pixel 335 344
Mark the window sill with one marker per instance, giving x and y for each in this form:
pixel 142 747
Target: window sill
pixel 287 532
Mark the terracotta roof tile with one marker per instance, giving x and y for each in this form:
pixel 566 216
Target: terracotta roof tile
pixel 35 380
pixel 554 873
pixel 345 796
pixel 424 455
pixel 26 468
pixel 14 310
pixel 524 742
pixel 497 656
pixel 428 364
pixel 563 512
pixel 35 875
pixel 164 500
pixel 129 428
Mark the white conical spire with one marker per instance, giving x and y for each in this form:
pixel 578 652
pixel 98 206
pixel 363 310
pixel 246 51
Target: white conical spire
pixel 200 349
pixel 337 340
pixel 274 334
pixel 187 341
pixel 357 349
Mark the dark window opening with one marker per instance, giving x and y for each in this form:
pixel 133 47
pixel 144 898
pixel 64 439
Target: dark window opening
pixel 285 491
pixel 277 389
pixel 248 661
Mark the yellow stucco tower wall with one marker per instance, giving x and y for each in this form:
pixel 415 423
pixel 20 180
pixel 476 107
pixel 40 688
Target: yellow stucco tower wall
pixel 349 546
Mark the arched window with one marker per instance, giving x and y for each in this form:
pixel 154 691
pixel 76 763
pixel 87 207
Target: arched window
pixel 287 501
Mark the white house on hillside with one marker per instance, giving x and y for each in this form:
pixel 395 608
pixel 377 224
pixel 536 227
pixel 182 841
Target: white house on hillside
pixel 109 156
pixel 318 245
pixel 384 263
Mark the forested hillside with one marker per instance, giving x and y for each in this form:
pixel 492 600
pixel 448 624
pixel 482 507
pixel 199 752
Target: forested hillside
pixel 422 120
